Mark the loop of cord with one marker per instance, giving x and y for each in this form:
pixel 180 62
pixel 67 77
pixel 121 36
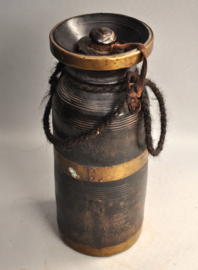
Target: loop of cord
pixel 106 121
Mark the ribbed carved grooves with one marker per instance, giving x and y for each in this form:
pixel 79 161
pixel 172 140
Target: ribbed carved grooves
pixel 87 101
pixel 119 124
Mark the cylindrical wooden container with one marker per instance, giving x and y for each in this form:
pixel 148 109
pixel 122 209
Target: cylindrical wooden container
pixel 100 183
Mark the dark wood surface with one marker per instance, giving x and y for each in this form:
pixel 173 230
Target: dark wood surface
pixel 98 215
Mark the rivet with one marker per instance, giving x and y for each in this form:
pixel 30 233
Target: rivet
pixel 92 178
pixel 91 170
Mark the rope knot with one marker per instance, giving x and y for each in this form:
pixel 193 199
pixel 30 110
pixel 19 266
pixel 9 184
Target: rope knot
pixel 134 105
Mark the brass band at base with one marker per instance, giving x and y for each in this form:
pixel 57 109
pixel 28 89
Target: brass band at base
pixel 102 252
pixel 101 174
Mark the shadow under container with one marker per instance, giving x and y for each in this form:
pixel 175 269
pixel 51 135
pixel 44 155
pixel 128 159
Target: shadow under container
pixel 100 183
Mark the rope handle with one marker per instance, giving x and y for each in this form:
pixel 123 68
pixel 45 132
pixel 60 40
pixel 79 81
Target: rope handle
pixel 107 120
pixel 147 119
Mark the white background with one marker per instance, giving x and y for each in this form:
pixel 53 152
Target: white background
pixel 29 237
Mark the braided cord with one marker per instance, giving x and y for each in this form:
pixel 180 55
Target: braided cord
pixel 147 118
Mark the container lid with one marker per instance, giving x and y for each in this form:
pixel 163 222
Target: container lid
pixel 64 38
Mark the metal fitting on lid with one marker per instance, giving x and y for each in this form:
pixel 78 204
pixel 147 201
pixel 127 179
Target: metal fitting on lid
pixel 102 35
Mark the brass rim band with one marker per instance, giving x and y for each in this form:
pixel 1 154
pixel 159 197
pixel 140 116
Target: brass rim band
pixel 110 62
pixel 102 252
pixel 101 174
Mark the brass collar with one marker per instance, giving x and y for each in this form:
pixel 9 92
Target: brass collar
pixel 109 62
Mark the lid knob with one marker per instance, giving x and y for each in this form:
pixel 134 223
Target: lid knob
pixel 102 35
